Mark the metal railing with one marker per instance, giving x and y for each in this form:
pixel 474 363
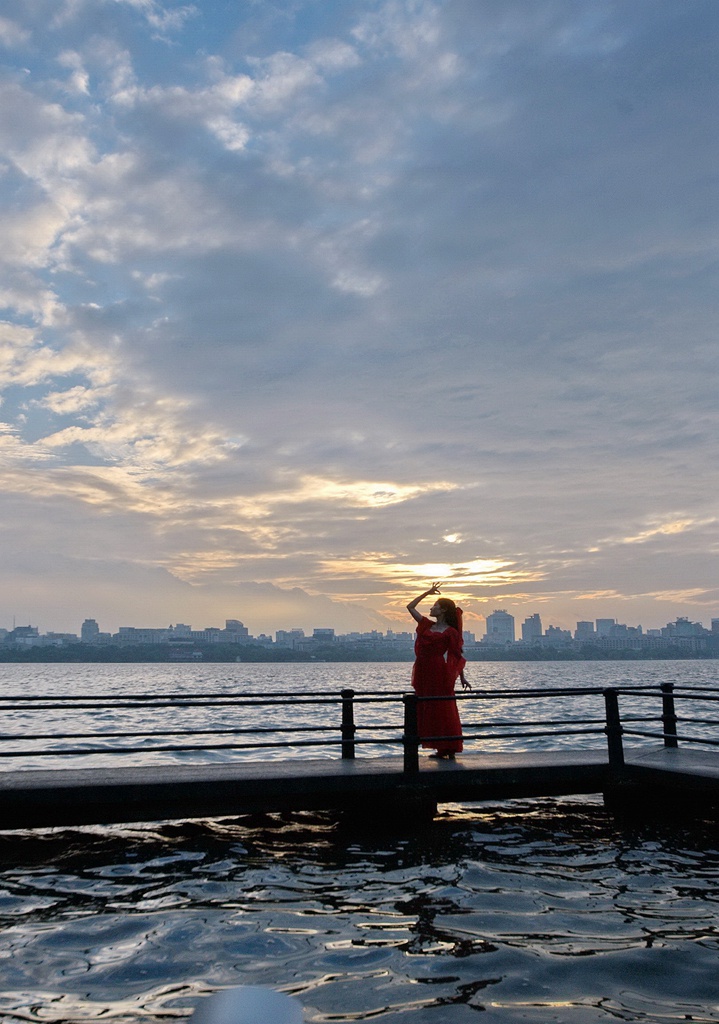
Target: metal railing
pixel 661 721
pixel 669 731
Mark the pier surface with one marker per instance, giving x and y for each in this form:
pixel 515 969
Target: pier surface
pixel 60 797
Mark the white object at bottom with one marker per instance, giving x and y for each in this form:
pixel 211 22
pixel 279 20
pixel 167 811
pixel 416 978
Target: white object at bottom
pixel 249 1004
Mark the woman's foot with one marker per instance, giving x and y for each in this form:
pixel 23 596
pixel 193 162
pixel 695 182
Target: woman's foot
pixel 439 756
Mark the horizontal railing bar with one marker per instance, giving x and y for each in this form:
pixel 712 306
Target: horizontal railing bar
pixel 522 694
pixel 88 751
pixel 674 736
pixel 484 694
pixel 652 733
pixel 691 696
pixel 180 697
pixel 680 690
pixel 261 730
pixel 699 721
pixel 536 695
pixel 183 700
pixel 688 694
pixel 239 703
pixel 690 686
pixel 516 735
pixel 148 749
pixel 640 718
pixel 374 728
pixel 169 732
pixel 279 744
pixel 562 721
pixel 234 702
pixel 122 705
pixel 165 747
pixel 184 697
pixel 161 703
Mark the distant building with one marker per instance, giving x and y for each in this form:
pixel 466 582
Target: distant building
pixel 26 636
pixel 89 631
pixel 134 635
pixel 683 628
pixel 324 635
pixel 604 626
pixel 499 628
pixel 289 637
pixel 556 635
pixel 531 628
pixel 584 631
pixel 620 629
pixel 59 639
pixel 184 652
pixel 236 627
pixel 406 637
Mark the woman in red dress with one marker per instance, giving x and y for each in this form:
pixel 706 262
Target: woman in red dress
pixel 438 665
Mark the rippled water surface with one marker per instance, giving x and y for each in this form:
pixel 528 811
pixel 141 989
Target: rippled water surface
pixel 547 910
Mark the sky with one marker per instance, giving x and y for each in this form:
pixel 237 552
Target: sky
pixel 308 304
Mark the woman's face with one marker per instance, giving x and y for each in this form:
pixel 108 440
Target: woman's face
pixel 436 610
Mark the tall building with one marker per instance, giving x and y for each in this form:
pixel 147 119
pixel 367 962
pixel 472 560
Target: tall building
pixel 89 631
pixel 604 626
pixel 326 635
pixel 236 627
pixel 557 635
pixel 500 627
pixel 532 628
pixel 584 631
pixel 683 628
pixel 288 637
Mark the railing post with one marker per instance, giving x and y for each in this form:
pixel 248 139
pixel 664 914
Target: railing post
pixel 669 717
pixel 411 733
pixel 348 725
pixel 613 727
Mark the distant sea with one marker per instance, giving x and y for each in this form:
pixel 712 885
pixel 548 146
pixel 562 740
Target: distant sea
pixel 543 910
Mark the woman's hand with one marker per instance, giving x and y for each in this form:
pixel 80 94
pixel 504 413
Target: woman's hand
pixel 466 685
pixel 412 606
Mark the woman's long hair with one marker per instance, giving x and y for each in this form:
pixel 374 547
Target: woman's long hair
pixel 452 614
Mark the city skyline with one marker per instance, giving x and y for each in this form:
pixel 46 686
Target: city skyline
pixel 306 306
pixel 507 628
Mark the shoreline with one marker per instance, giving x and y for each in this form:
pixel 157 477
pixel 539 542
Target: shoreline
pixel 200 654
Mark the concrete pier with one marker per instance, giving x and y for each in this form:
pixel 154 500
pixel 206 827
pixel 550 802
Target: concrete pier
pixel 61 797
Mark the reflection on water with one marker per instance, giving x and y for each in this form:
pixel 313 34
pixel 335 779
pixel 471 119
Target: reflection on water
pixel 541 911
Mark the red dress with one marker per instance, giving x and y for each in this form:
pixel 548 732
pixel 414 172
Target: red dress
pixel 434 675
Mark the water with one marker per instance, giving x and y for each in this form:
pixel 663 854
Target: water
pixel 539 911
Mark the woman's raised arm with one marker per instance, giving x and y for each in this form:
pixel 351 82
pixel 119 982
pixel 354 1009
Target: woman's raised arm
pixel 412 606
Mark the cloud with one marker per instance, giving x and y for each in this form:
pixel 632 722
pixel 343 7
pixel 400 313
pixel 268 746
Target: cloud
pixel 11 34
pixel 327 296
pixel 674 526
